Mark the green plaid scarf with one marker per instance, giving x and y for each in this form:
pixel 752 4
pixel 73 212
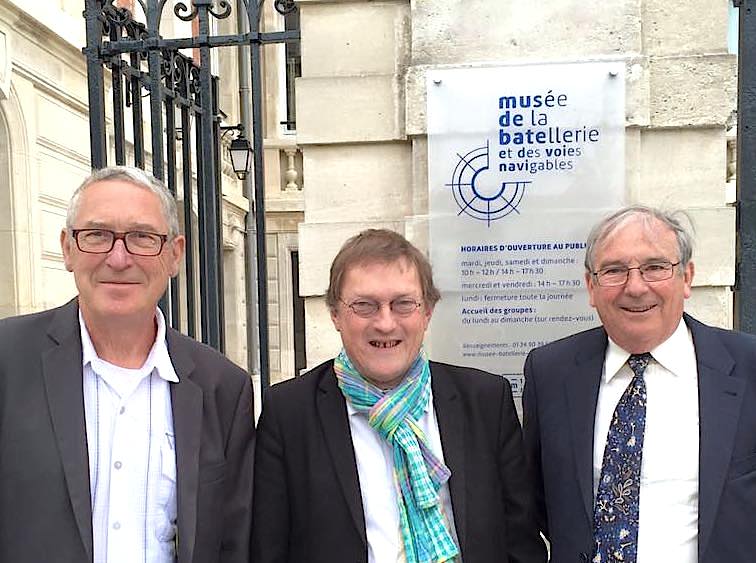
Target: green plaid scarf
pixel 418 473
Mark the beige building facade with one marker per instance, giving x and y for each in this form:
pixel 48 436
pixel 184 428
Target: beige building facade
pixel 362 128
pixel 44 143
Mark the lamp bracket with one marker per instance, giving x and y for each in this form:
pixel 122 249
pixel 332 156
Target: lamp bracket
pixel 226 129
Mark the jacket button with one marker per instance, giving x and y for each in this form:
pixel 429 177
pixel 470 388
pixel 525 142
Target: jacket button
pixel 584 557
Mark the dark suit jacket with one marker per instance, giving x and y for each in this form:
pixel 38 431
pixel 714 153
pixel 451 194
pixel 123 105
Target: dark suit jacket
pixel 45 506
pixel 308 506
pixel 561 389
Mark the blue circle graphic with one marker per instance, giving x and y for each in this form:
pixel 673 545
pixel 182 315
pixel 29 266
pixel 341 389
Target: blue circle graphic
pixel 481 194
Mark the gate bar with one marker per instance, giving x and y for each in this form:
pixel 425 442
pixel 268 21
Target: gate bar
pixel 745 279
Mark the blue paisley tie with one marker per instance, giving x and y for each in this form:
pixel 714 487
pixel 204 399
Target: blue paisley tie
pixel 615 514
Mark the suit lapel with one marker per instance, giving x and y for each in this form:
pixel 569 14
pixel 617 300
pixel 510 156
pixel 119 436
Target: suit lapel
pixel 720 398
pixel 186 401
pixel 581 390
pixel 451 426
pixel 334 420
pixel 62 372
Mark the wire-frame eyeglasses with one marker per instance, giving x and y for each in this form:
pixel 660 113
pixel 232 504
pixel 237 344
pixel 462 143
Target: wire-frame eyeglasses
pixel 613 276
pixel 366 308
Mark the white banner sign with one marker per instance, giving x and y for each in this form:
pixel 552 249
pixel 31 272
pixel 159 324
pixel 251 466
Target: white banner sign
pixel 522 161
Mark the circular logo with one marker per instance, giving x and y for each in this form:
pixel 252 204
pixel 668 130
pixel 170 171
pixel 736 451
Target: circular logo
pixel 479 192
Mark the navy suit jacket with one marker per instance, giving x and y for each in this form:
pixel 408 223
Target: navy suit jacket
pixel 45 503
pixel 308 505
pixel 561 390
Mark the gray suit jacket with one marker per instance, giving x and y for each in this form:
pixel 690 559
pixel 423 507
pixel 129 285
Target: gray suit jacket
pixel 561 389
pixel 45 505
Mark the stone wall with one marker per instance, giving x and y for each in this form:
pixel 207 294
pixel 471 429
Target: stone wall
pixel 361 115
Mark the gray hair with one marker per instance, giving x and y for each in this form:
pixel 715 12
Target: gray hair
pixel 645 214
pixel 135 176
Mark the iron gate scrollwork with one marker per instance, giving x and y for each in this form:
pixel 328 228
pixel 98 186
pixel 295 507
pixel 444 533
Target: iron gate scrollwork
pixel 184 132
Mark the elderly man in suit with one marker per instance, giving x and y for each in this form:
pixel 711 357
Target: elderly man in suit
pixel 639 432
pixel 380 456
pixel 120 439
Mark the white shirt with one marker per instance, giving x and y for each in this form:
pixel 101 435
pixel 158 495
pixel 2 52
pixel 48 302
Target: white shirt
pixel 132 461
pixel 668 508
pixel 375 467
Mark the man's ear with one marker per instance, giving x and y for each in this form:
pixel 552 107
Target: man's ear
pixel 688 272
pixel 65 245
pixel 335 319
pixel 178 246
pixel 427 313
pixel 590 283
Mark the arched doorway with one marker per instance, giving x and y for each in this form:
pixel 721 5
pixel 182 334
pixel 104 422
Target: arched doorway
pixel 8 281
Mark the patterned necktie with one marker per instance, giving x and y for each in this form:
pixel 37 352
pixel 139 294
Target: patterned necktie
pixel 615 514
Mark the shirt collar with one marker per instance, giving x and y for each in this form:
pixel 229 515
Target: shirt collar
pixel 676 354
pixel 158 359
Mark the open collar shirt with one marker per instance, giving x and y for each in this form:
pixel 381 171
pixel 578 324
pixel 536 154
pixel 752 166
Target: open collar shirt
pixel 375 468
pixel 668 521
pixel 132 458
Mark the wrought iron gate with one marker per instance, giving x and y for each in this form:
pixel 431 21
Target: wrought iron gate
pixel 183 115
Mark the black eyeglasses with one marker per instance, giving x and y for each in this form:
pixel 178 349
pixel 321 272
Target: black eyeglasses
pixel 102 241
pixel 401 307
pixel 613 276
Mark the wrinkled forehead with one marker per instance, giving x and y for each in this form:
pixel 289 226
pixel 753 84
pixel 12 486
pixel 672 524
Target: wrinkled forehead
pixel 636 231
pixel 404 267
pixel 119 200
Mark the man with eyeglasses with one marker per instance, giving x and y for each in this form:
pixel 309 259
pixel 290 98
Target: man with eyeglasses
pixel 641 433
pixel 381 456
pixel 120 439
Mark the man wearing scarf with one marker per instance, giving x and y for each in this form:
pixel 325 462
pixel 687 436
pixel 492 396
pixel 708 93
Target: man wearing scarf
pixel 381 456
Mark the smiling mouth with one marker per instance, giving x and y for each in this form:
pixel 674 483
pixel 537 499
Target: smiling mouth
pixel 384 343
pixel 640 309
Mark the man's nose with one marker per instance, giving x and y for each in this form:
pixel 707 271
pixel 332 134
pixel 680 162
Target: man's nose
pixel 118 257
pixel 384 318
pixel 635 283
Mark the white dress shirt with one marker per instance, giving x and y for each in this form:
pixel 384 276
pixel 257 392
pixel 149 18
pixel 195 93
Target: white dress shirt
pixel 668 518
pixel 132 460
pixel 375 467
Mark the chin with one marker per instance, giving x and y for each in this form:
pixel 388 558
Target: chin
pixel 638 344
pixel 120 309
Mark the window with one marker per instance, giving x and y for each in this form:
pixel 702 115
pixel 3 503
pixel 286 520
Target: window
pixel 293 70
pixel 300 353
